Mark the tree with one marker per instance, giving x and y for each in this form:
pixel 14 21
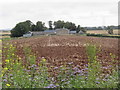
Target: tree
pixel 78 29
pixel 50 25
pixel 33 27
pixel 21 28
pixel 99 28
pixel 110 30
pixel 70 25
pixel 118 26
pixel 83 30
pixel 40 26
pixel 58 24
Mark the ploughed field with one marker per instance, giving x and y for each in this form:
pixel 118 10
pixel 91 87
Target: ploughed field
pixel 61 50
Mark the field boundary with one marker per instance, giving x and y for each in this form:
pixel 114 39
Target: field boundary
pixel 102 35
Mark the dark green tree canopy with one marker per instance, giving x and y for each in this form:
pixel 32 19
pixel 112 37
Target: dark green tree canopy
pixel 58 24
pixel 50 25
pixel 110 30
pixel 40 26
pixel 70 25
pixel 21 28
pixel 78 28
pixel 63 24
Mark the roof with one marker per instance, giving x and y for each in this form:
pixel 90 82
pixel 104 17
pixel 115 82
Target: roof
pixel 62 29
pixel 49 31
pixel 72 32
pixel 81 32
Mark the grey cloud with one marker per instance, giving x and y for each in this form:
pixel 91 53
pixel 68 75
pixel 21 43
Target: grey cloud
pixel 72 11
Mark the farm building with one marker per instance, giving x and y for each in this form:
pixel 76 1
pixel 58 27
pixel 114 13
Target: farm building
pixel 38 33
pixel 72 32
pixel 49 32
pixel 62 31
pixel 81 32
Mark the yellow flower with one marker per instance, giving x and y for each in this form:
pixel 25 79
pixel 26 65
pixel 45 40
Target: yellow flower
pixel 0 50
pixel 11 45
pixel 110 54
pixel 8 85
pixel 2 71
pixel 43 59
pixel 2 75
pixel 19 58
pixel 13 54
pixel 6 68
pixel 7 61
pixel 0 40
pixel 29 75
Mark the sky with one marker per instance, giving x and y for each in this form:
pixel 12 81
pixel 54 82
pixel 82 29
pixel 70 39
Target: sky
pixel 81 12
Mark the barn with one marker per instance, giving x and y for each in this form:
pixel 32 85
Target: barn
pixel 72 32
pixel 49 32
pixel 35 33
pixel 81 32
pixel 62 31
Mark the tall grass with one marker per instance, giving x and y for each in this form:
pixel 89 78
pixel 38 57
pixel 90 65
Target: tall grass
pixel 15 74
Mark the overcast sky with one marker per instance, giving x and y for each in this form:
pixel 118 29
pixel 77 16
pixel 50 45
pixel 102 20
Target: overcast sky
pixel 82 12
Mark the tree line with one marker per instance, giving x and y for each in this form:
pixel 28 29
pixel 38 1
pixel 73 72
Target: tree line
pixel 23 27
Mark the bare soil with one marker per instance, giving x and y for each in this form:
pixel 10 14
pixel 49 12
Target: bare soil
pixel 60 50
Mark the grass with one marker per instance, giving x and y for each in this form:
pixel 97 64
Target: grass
pixel 16 74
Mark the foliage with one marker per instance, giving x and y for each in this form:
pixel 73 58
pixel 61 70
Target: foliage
pixel 58 24
pixel 15 74
pixel 70 25
pixel 110 30
pixel 33 27
pixel 83 30
pixel 50 25
pixel 21 28
pixel 40 26
pixel 78 28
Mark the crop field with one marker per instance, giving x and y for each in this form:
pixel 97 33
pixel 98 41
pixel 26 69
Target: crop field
pixel 115 31
pixel 65 61
pixel 4 34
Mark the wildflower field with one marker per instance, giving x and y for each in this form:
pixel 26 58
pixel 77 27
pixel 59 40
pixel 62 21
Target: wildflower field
pixel 60 62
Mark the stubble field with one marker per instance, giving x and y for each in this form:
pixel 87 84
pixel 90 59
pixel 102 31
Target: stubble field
pixel 115 31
